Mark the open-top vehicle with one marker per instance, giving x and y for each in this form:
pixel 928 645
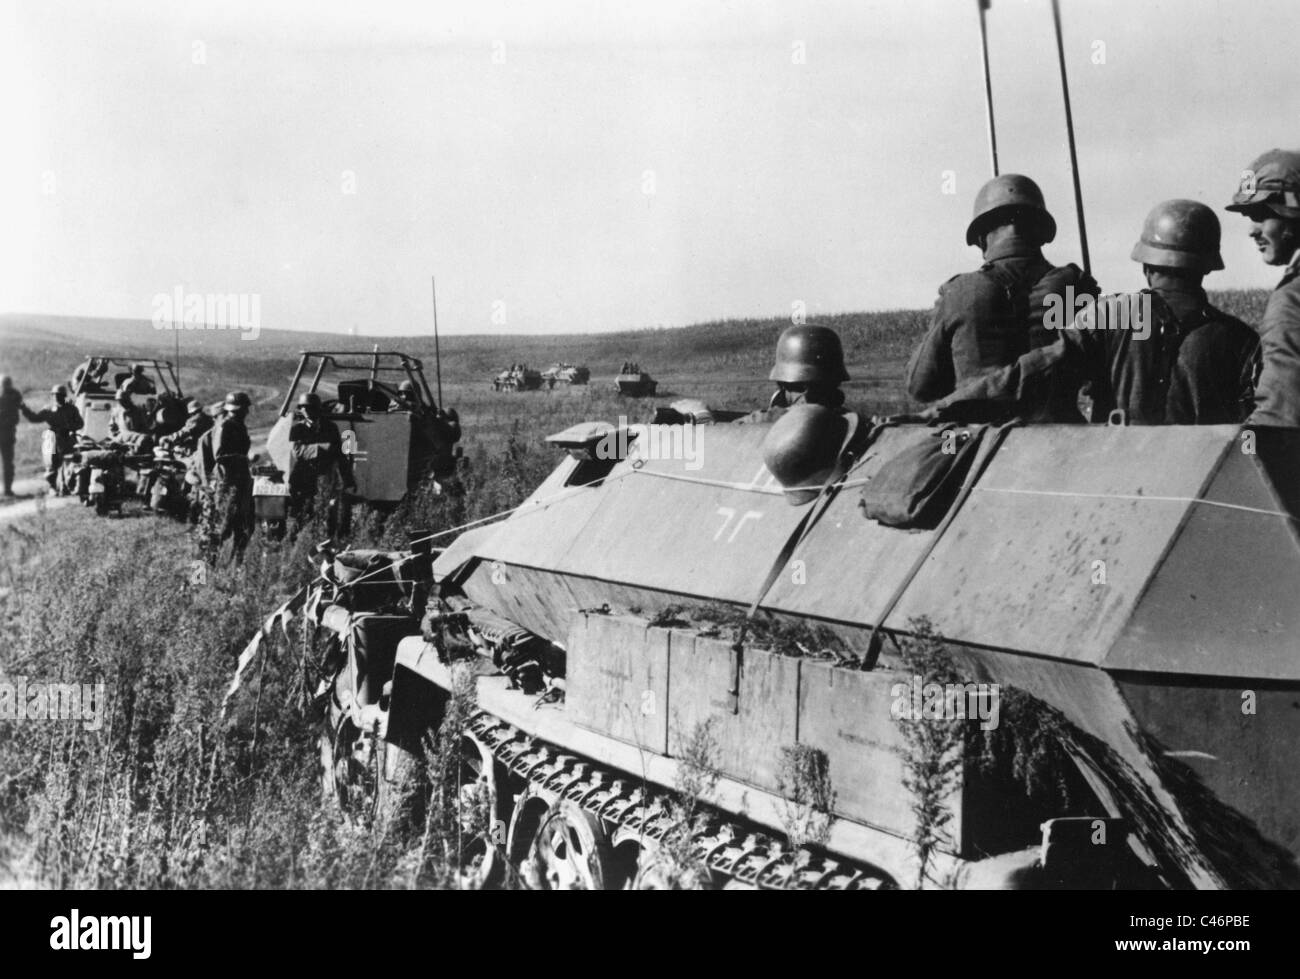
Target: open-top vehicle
pixel 94 385
pixel 388 437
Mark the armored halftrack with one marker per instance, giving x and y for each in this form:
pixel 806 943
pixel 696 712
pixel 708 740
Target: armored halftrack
pixel 393 441
pixel 1135 584
pixel 563 373
pixel 633 382
pixel 517 377
pixel 93 389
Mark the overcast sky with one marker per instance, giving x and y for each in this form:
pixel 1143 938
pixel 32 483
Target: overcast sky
pixel 587 166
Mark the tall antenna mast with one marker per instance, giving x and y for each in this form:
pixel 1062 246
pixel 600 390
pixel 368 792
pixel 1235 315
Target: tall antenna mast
pixel 988 85
pixel 1069 131
pixel 437 356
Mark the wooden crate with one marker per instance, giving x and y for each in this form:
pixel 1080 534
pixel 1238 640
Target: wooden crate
pixel 617 679
pixel 846 714
pixel 748 741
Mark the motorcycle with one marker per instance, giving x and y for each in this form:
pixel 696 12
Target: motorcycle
pixel 101 478
pixel 163 485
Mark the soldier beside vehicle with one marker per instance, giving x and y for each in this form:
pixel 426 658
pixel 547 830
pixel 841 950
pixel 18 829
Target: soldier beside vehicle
pixel 318 467
pixel 225 481
pixel 62 421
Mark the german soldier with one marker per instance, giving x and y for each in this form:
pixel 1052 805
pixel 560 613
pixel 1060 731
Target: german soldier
pixel 985 319
pixel 63 421
pixel 11 403
pixel 1161 355
pixel 434 431
pixel 197 422
pixel 1269 197
pixel 809 369
pixel 317 463
pixel 226 502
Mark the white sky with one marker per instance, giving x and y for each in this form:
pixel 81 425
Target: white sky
pixel 523 183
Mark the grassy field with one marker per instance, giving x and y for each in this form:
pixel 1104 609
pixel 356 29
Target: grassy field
pixel 163 796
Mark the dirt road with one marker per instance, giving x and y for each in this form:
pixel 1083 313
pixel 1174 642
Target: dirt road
pixel 30 501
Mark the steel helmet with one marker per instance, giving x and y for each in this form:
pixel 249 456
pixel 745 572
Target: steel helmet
pixel 809 355
pixel 1273 179
pixel 802 448
pixel 237 399
pixel 406 387
pixel 1011 190
pixel 60 389
pixel 1180 234
pixel 308 400
pixel 193 406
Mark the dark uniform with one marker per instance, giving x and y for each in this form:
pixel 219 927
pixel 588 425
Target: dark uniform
pixel 11 402
pixel 187 437
pixel 1163 355
pixel 60 437
pixel 986 319
pixel 1213 378
pixel 227 494
pixel 317 464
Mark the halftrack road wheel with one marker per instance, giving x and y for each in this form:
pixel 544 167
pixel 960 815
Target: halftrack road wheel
pixel 481 859
pixel 569 852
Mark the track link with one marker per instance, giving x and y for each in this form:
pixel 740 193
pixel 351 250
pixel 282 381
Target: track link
pixel 746 854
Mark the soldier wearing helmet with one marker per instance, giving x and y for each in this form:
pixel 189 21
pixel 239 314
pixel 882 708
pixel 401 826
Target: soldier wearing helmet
pixel 985 319
pixel 132 415
pixel 434 434
pixel 197 423
pixel 1269 197
pixel 1161 355
pixel 408 399
pixel 63 421
pixel 227 482
pixel 318 466
pixel 137 384
pixel 11 403
pixel 809 369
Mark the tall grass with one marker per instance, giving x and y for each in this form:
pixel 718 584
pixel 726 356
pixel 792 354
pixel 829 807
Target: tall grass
pixel 162 795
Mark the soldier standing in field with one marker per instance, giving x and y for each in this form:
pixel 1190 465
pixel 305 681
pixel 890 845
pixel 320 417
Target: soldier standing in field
pixel 60 437
pixel 1269 197
pixel 809 369
pixel 11 403
pixel 317 464
pixel 1163 355
pixel 227 482
pixel 985 319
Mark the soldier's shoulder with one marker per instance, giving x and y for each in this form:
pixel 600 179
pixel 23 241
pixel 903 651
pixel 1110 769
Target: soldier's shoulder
pixel 965 286
pixel 1284 301
pixel 1113 310
pixel 1222 322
